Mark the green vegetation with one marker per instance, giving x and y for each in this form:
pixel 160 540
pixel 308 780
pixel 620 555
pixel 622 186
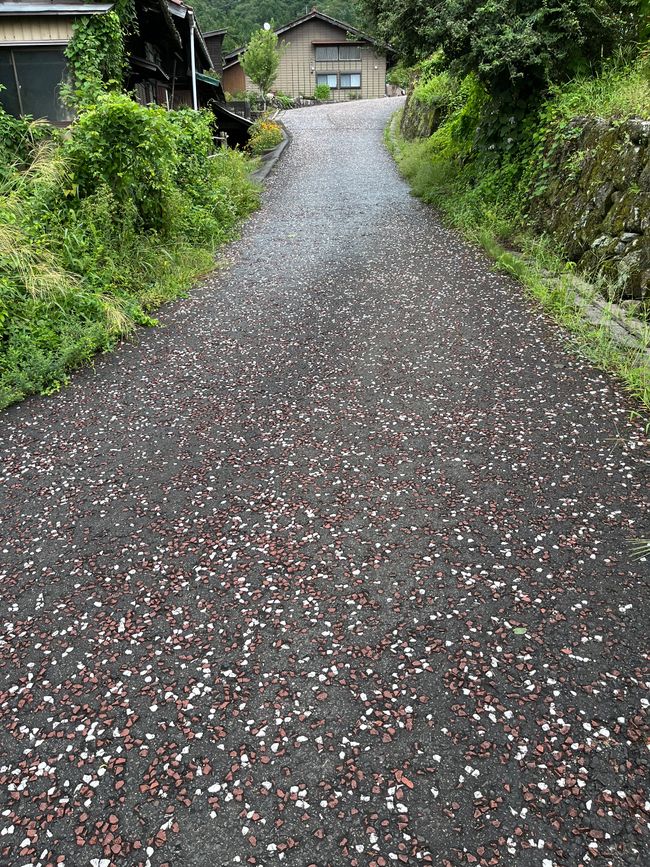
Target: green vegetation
pixel 639 548
pixel 485 190
pixel 104 222
pixel 283 100
pixel 495 92
pixel 621 90
pixel 100 225
pixel 515 49
pixel 261 59
pixel 322 92
pixel 399 75
pixel 243 17
pixel 265 135
pixel 96 57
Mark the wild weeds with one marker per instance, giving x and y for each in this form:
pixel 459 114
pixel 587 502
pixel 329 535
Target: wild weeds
pixel 85 254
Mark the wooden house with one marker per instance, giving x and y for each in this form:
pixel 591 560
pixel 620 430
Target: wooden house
pixel 34 35
pixel 318 49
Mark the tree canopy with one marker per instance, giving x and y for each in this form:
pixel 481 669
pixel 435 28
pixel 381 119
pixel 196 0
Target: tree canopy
pixel 511 45
pixel 261 59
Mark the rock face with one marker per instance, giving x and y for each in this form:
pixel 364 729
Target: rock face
pixel 420 120
pixel 593 197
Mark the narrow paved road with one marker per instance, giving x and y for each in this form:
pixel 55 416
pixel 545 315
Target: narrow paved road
pixel 330 570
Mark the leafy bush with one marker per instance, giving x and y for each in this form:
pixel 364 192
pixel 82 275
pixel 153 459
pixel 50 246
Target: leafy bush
pixel 100 227
pixel 129 148
pixel 517 49
pixel 283 100
pixel 322 92
pixel 399 75
pixel 264 136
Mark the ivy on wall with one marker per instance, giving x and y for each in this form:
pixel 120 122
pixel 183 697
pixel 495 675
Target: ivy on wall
pixel 96 54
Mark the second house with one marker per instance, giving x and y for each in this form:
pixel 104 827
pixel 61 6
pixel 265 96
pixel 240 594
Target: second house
pixel 317 49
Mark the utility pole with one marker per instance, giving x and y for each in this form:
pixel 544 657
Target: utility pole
pixel 195 102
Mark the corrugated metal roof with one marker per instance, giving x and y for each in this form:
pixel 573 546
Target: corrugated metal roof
pixel 60 7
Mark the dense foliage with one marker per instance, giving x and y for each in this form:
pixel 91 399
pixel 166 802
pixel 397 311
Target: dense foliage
pixel 95 54
pixel 243 17
pixel 101 225
pixel 515 48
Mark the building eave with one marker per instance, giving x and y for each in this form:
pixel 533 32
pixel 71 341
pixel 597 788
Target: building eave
pixel 17 9
pixel 232 56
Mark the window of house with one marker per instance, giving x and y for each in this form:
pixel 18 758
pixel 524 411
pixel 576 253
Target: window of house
pixel 349 52
pixel 32 78
pixel 350 79
pixel 9 93
pixel 327 52
pixel 327 78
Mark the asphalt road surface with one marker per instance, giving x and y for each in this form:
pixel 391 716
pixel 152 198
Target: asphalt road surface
pixel 333 568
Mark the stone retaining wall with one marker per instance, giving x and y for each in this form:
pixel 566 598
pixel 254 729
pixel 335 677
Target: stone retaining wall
pixel 419 120
pixel 593 196
pixel 595 201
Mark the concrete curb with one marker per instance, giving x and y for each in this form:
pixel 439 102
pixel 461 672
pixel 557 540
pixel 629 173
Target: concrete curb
pixel 270 159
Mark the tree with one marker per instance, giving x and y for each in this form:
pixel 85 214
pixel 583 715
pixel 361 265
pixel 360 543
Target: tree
pixel 242 17
pixel 261 60
pixel 516 47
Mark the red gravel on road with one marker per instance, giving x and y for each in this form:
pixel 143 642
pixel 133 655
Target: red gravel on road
pixel 333 568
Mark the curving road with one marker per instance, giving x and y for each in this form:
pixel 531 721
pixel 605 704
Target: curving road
pixel 332 569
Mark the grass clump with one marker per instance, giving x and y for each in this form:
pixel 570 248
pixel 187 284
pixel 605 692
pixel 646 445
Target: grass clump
pixel 102 225
pixel 618 91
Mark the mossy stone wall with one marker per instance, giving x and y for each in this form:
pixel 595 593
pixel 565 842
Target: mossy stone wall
pixel 418 119
pixel 594 199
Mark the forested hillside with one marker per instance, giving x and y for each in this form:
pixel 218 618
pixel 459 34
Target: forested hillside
pixel 241 17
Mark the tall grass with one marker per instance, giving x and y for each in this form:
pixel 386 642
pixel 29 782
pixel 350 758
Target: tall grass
pixel 80 266
pixel 620 90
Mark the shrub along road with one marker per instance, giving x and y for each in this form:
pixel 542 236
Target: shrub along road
pixel 332 569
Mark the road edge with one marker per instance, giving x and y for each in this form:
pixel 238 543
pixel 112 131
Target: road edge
pixel 270 159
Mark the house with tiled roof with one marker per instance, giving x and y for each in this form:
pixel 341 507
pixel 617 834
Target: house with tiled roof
pixel 316 50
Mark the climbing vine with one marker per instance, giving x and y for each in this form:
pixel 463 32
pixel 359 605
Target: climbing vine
pixel 96 54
